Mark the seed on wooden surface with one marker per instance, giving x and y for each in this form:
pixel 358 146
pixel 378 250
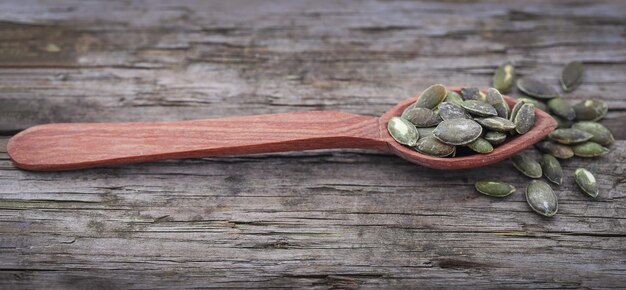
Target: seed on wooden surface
pixel 496 123
pixel 402 131
pixel 495 138
pixel 452 111
pixel 481 146
pixel 561 108
pixel 524 118
pixel 431 97
pixel 457 131
pixel 586 181
pixel 493 187
pixel 590 110
pixel 562 123
pixel 538 104
pixel 431 146
pixel 537 89
pixel 503 78
pixel 541 198
pixel 473 94
pixel 527 166
pixel 601 135
pixel 571 76
pixel 589 149
pixel 421 117
pixel 479 108
pixel 424 132
pixel 555 149
pixel 552 169
pixel 569 136
pixel 453 97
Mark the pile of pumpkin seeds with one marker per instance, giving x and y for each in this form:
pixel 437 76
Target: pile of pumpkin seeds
pixel 442 121
pixel 578 134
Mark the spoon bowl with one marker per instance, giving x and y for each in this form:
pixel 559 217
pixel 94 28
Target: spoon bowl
pixel 69 146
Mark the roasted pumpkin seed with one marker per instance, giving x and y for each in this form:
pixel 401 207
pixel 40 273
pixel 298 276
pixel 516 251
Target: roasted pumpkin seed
pixel 590 110
pixel 458 131
pixel 495 138
pixel 537 89
pixel 601 135
pixel 561 108
pixel 421 117
pixel 555 149
pixel 496 124
pixel 541 198
pixel 431 146
pixel 472 94
pixel 515 109
pixel 538 104
pixel 552 169
pixel 524 118
pixel 479 108
pixel 527 166
pixel 493 187
pixel 586 181
pixel 451 111
pixel 503 78
pixel 562 123
pixel 431 97
pixel 453 97
pixel 571 76
pixel 402 131
pixel 424 132
pixel 480 145
pixel 589 149
pixel 569 136
pixel 496 99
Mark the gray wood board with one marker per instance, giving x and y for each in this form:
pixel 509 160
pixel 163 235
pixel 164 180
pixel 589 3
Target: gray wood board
pixel 321 219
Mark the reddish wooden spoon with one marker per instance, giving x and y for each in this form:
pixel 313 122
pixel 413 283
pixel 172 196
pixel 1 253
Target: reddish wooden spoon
pixel 54 147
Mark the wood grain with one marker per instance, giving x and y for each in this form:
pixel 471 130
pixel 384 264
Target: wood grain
pixel 320 219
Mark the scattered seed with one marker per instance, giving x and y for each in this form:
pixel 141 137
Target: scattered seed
pixel 561 108
pixel 589 149
pixel 552 169
pixel 541 198
pixel 503 78
pixel 590 110
pixel 493 187
pixel 601 135
pixel 527 166
pixel 571 76
pixel 569 136
pixel 555 149
pixel 537 89
pixel 586 181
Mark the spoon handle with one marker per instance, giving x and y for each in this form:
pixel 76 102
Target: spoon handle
pixel 68 146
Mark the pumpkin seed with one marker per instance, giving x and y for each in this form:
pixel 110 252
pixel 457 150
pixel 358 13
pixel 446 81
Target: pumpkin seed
pixel 458 131
pixel 431 146
pixel 527 166
pixel 472 94
pixel 496 124
pixel 590 110
pixel 552 169
pixel 561 108
pixel 589 149
pixel 562 123
pixel 496 99
pixel 601 135
pixel 479 108
pixel 451 111
pixel 525 118
pixel 493 187
pixel 538 104
pixel 402 131
pixel 586 181
pixel 541 198
pixel 495 138
pixel 503 78
pixel 569 136
pixel 515 109
pixel 454 98
pixel 571 76
pixel 555 149
pixel 431 97
pixel 537 89
pixel 421 117
pixel 480 145
pixel 424 132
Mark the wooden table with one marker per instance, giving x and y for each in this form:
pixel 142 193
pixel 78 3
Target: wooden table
pixel 322 219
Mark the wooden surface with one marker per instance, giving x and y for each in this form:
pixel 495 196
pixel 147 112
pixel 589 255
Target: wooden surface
pixel 321 219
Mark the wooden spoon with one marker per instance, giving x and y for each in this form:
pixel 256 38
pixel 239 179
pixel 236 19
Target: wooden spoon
pixel 68 146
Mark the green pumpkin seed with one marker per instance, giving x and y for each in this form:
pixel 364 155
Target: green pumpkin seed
pixel 425 132
pixel 480 145
pixel 493 187
pixel 527 166
pixel 451 111
pixel 495 138
pixel 431 97
pixel 537 89
pixel 496 124
pixel 589 149
pixel 431 146
pixel 538 104
pixel 590 110
pixel 503 78
pixel 496 99
pixel 571 76
pixel 454 98
pixel 586 181
pixel 552 169
pixel 561 108
pixel 601 135
pixel 541 198
pixel 555 149
pixel 562 123
pixel 479 108
pixel 524 118
pixel 473 94
pixel 515 109
pixel 458 131
pixel 402 131
pixel 569 136
pixel 421 117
